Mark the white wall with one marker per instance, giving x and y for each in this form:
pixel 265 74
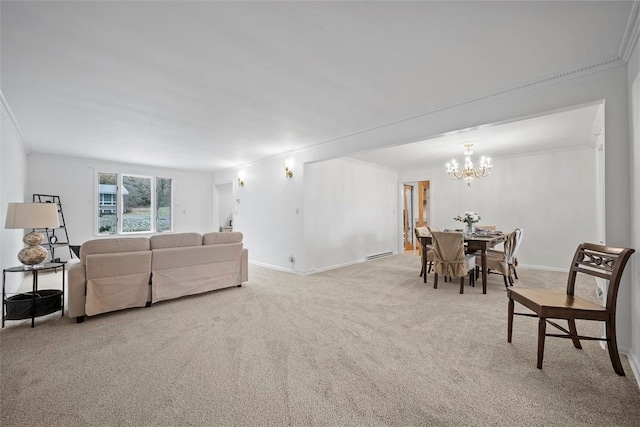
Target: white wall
pixel 552 196
pixel 13 185
pixel 74 181
pixel 265 212
pixel 350 212
pixel 634 90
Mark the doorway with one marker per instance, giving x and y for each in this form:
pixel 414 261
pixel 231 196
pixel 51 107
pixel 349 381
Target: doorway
pixel 408 217
pixel 424 204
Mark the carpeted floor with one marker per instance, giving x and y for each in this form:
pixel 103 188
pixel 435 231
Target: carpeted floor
pixel 368 344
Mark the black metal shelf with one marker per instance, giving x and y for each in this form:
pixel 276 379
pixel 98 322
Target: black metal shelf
pixel 50 233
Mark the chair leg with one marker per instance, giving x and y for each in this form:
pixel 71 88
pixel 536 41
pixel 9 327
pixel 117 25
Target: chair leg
pixel 472 279
pixel 430 265
pixel 462 285
pixel 510 320
pixel 612 346
pixel 574 333
pixel 435 281
pixel 506 283
pixel 423 273
pixel 542 330
pixel 515 274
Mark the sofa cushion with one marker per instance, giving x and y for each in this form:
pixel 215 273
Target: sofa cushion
pixel 221 238
pixel 178 240
pixel 113 245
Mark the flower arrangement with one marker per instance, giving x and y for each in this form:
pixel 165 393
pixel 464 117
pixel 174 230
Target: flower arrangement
pixel 469 218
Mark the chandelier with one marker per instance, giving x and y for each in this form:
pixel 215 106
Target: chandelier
pixel 469 172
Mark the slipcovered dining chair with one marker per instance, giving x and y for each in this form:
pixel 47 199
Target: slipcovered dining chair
pixel 502 262
pixel 450 259
pixel 605 262
pixel 515 251
pixel 422 235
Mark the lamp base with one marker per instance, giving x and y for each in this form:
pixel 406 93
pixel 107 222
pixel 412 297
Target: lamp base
pixel 32 254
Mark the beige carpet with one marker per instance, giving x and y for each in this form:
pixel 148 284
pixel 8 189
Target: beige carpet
pixel 368 344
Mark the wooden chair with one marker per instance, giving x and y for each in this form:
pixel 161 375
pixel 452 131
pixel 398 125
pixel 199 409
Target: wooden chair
pixel 502 262
pixel 422 234
pixel 450 259
pixel 486 227
pixel 595 260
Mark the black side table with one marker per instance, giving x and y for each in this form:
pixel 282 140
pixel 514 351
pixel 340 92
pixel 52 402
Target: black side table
pixel 35 303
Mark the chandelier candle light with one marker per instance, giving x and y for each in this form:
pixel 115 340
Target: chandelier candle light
pixel 469 172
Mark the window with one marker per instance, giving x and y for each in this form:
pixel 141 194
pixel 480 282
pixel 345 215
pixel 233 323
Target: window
pixel 133 204
pixel 163 204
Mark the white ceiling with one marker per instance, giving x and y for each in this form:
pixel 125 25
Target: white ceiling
pixel 212 85
pixel 563 130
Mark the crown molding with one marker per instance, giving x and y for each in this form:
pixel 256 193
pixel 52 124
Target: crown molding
pixel 631 33
pixel 13 125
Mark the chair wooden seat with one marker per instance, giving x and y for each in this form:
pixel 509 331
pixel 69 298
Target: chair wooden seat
pixel 558 305
pixel 605 262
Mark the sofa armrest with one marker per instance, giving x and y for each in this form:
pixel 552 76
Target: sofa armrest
pixel 76 290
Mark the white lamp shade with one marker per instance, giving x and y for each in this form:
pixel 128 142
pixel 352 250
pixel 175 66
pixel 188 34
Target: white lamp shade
pixel 32 215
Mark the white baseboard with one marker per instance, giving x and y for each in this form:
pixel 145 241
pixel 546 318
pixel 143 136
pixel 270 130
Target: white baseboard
pixel 312 271
pixel 539 267
pixel 272 267
pixel 635 364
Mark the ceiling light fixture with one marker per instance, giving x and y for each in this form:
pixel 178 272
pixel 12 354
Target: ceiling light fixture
pixel 469 172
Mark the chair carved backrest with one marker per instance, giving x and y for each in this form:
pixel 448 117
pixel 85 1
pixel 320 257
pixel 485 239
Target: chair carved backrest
pixel 601 261
pixel 448 253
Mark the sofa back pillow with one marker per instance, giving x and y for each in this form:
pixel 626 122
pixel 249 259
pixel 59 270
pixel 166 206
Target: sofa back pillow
pixel 178 240
pixel 221 238
pixel 113 245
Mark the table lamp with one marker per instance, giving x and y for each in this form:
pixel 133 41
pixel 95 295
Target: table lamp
pixel 32 215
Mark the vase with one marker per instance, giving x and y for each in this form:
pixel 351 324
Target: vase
pixel 468 230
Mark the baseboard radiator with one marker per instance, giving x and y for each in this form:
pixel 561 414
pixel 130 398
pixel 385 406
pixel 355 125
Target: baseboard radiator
pixel 380 255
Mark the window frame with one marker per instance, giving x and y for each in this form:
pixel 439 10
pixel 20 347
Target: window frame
pixel 119 204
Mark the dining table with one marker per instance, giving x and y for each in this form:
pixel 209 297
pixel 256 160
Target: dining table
pixel 477 243
pixel 480 243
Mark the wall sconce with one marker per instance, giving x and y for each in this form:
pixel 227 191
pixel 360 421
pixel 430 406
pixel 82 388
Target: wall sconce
pixel 288 168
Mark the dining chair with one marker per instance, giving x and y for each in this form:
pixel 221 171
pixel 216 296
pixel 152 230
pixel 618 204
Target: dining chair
pixel 502 262
pixel 422 233
pixel 595 260
pixel 486 227
pixel 515 251
pixel 450 259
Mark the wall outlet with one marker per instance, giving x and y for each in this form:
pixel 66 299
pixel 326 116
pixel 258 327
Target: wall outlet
pixel 292 259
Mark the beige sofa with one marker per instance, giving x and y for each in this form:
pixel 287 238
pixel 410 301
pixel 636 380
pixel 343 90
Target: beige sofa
pixel 117 273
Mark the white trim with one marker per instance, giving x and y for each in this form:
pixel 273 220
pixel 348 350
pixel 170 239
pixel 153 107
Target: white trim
pixel 539 267
pixel 634 362
pixel 13 125
pixel 631 33
pixel 315 270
